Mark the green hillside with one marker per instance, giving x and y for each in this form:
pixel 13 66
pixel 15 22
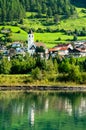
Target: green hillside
pixel 15 9
pixel 51 26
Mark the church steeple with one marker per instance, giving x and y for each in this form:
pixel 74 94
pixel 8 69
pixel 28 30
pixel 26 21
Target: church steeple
pixel 30 39
pixel 30 32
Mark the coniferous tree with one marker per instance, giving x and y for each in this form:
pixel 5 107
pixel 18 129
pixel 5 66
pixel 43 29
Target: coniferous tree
pixel 11 10
pixel 15 9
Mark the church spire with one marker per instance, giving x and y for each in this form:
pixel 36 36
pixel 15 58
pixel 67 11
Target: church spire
pixel 30 31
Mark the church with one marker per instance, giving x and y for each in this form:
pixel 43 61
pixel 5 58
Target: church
pixel 33 45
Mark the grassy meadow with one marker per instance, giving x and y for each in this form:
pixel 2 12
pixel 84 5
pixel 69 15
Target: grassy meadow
pixel 74 23
pixel 21 36
pixel 51 39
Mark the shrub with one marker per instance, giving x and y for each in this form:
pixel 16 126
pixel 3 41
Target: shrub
pixel 75 38
pixel 59 39
pixel 5 66
pixel 75 74
pixel 36 73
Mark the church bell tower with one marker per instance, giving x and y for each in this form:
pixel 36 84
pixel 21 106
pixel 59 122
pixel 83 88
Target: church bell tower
pixel 30 40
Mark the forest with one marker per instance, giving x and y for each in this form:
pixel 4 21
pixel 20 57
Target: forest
pixel 15 9
pixel 79 3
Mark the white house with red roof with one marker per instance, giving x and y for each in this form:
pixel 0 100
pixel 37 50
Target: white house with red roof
pixel 61 49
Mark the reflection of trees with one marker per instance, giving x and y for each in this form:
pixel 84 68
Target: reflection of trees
pixel 22 109
pixel 74 103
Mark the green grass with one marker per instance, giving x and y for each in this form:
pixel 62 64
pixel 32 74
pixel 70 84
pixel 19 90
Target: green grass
pixel 22 36
pixel 80 13
pixel 14 29
pixel 72 24
pixel 51 39
pixel 67 24
pixel 19 37
pixel 14 80
pixel 26 80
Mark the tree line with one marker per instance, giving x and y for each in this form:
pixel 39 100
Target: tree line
pixel 79 3
pixel 50 7
pixel 56 69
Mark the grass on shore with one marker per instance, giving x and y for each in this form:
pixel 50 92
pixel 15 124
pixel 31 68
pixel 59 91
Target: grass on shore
pixel 26 80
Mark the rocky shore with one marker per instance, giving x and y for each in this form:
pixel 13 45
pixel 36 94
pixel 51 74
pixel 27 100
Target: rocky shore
pixel 44 88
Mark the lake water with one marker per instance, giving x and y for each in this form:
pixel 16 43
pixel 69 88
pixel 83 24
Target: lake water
pixel 42 111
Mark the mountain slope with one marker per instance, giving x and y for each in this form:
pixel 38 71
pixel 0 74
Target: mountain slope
pixel 15 9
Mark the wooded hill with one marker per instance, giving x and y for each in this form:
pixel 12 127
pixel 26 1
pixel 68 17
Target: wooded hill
pixel 79 3
pixel 15 9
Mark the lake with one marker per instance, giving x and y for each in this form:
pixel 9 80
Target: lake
pixel 42 111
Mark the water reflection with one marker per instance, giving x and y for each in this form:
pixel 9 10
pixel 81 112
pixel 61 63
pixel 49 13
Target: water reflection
pixel 32 115
pixel 46 104
pixel 42 111
pixel 82 107
pixel 18 109
pixel 68 107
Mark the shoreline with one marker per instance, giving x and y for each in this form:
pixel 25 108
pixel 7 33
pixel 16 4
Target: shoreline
pixel 26 83
pixel 43 88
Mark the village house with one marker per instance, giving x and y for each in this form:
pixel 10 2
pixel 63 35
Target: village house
pixel 78 52
pixel 5 30
pixel 3 50
pixel 76 49
pixel 16 44
pixel 16 48
pixel 61 49
pixel 79 49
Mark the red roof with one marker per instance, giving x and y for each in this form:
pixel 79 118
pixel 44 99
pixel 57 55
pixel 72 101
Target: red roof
pixel 58 49
pixel 63 48
pixel 53 49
